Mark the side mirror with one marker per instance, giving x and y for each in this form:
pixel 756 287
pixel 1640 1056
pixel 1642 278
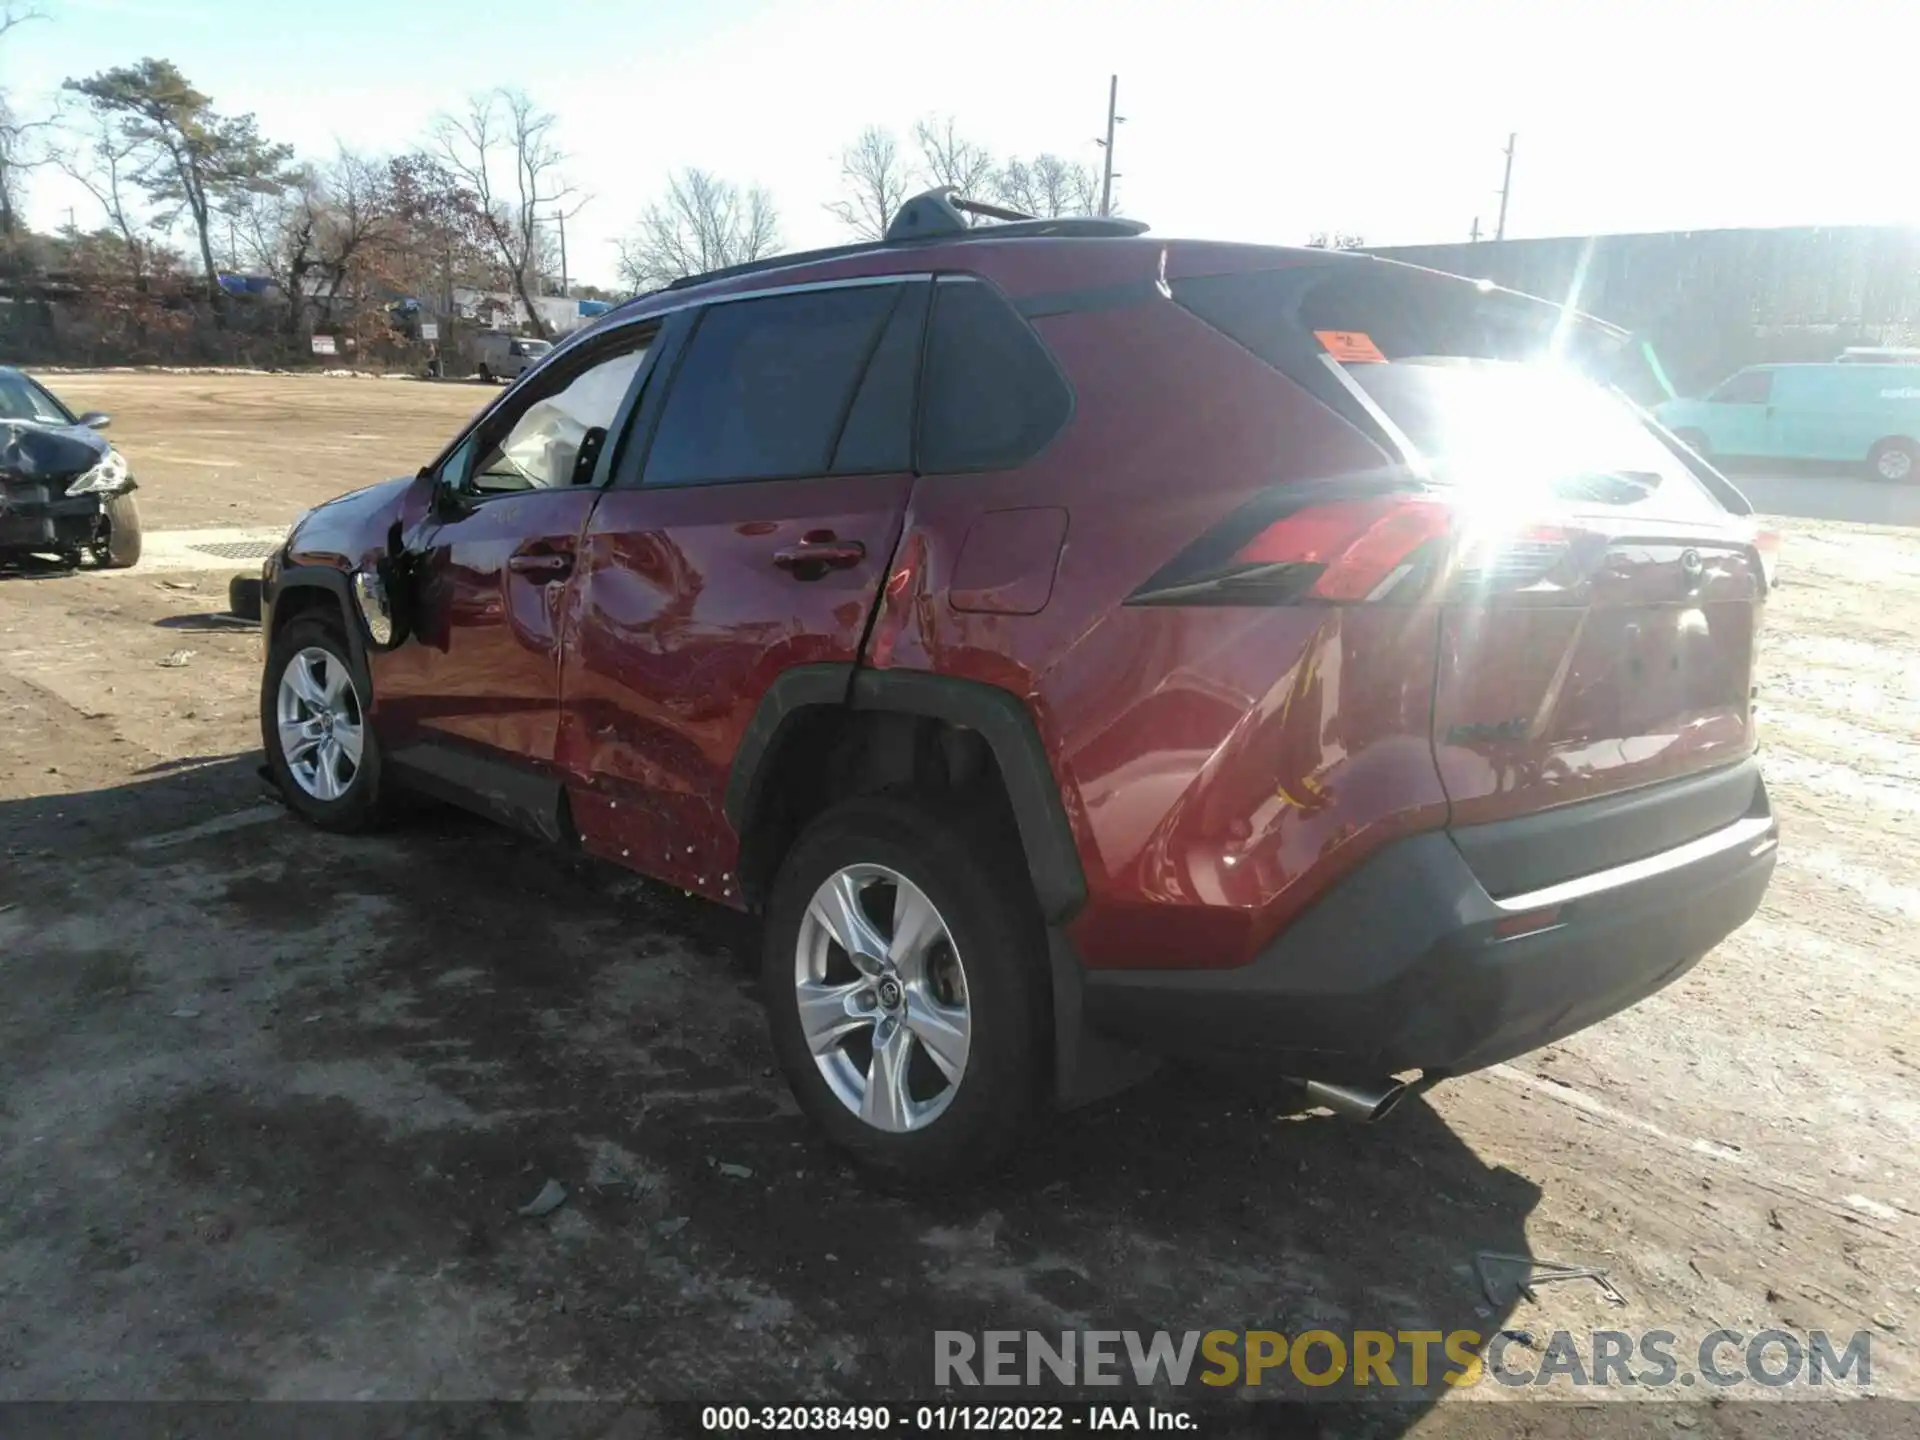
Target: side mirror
pixel 96 419
pixel 448 502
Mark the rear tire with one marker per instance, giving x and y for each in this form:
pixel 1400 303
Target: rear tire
pixel 321 747
pixel 927 1068
pixel 1895 460
pixel 486 375
pixel 121 550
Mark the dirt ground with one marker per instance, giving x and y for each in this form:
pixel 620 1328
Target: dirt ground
pixel 269 1099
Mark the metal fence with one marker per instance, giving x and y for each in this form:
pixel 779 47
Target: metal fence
pixel 1711 301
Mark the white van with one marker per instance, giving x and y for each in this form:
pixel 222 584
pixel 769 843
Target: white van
pixel 500 356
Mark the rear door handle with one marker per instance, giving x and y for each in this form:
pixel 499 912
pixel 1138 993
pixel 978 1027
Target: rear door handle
pixel 819 556
pixel 544 565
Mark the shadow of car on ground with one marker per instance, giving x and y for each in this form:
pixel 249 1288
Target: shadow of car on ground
pixel 554 1019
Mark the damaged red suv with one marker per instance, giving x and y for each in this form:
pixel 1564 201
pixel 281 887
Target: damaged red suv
pixel 1079 647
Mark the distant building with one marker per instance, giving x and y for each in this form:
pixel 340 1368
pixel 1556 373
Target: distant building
pixel 1712 301
pixel 502 310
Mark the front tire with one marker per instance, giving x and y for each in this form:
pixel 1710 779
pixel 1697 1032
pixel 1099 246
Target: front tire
pixel 907 990
pixel 1896 461
pixel 121 549
pixel 320 744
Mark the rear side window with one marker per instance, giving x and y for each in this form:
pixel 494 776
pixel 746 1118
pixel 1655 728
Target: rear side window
pixel 991 396
pixel 1749 387
pixel 765 386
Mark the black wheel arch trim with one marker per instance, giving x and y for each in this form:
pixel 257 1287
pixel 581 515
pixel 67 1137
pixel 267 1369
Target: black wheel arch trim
pixel 335 583
pixel 794 689
pixel 998 716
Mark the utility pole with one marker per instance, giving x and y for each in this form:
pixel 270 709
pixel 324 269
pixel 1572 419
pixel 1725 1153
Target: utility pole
pixel 73 224
pixel 1473 235
pixel 1113 118
pixel 1506 188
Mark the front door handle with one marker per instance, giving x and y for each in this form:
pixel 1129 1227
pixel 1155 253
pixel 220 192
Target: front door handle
pixel 810 559
pixel 542 565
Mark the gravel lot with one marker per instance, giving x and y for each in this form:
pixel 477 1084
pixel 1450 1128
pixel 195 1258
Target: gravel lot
pixel 269 1100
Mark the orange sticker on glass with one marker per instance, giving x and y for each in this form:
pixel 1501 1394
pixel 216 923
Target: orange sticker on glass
pixel 1350 347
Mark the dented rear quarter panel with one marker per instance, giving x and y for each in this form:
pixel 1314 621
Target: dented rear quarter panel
pixel 1219 766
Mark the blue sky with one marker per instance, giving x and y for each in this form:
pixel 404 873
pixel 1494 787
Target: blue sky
pixel 1253 121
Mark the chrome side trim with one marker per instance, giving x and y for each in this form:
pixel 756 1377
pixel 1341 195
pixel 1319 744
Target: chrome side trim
pixel 1759 832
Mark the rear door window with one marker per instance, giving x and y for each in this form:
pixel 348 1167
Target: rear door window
pixel 992 396
pixel 765 386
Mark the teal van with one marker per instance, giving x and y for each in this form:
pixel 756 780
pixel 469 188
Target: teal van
pixel 1847 412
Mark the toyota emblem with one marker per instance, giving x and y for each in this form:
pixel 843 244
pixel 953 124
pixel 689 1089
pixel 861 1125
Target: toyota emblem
pixel 1692 566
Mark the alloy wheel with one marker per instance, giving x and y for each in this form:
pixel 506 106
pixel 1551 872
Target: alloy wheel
pixel 321 724
pixel 882 997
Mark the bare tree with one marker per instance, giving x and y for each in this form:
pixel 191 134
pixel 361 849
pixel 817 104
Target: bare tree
pixel 319 236
pixel 18 152
pixel 275 234
pixel 102 159
pixel 876 181
pixel 1335 240
pixel 948 159
pixel 703 223
pixel 1048 186
pixel 502 152
pixel 360 216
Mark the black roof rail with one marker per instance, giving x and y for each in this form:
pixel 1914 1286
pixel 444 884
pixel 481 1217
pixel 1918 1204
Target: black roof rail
pixel 934 215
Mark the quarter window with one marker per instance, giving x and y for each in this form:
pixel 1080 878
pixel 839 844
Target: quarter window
pixel 992 396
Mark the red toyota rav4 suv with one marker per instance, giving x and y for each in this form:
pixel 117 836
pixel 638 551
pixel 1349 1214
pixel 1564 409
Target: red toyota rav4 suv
pixel 1078 647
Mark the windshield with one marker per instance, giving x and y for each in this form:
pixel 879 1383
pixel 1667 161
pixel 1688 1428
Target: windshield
pixel 21 399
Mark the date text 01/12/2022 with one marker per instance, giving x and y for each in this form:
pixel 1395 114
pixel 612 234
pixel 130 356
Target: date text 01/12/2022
pixel 880 1419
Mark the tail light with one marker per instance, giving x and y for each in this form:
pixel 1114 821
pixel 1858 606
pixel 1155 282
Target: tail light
pixel 1277 550
pixel 1334 551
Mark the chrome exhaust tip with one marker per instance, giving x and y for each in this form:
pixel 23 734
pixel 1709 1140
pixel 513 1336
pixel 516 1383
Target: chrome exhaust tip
pixel 1362 1103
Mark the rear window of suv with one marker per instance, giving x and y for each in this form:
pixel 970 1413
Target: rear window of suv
pixel 1481 386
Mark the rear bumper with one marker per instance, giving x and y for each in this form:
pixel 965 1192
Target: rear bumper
pixel 1409 963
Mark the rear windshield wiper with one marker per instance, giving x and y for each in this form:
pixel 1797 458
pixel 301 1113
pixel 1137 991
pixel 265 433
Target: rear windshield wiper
pixel 1609 487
